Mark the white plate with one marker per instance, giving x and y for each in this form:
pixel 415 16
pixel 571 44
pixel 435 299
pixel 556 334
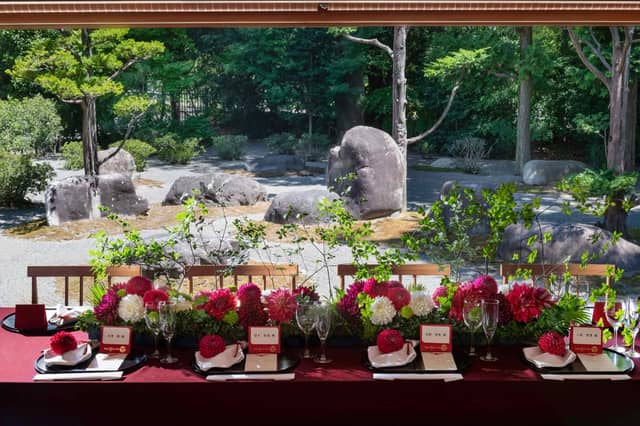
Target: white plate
pixel 543 359
pixel 225 359
pixel 69 358
pixel 391 359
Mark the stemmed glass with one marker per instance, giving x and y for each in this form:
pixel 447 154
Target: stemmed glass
pixel 323 327
pixel 490 316
pixel 614 311
pixel 306 319
pixel 632 322
pixel 168 326
pixel 152 319
pixel 472 316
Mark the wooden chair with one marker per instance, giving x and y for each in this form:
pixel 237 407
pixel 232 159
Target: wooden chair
pixel 414 270
pixel 249 271
pixel 80 272
pixel 576 270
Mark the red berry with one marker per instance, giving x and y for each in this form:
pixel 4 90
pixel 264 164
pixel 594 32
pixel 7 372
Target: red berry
pixel 553 343
pixel 389 341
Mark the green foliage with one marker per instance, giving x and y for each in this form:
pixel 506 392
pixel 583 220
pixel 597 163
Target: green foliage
pixel 19 176
pixel 29 125
pixel 457 62
pixel 139 150
pixel 230 147
pixel 72 155
pixel 598 183
pixel 172 149
pixel 282 143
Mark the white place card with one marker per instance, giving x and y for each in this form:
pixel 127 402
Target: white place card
pixel 106 362
pixel 435 338
pixel 261 362
pixel 586 339
pixel 438 361
pixel 264 340
pixel 115 340
pixel 600 362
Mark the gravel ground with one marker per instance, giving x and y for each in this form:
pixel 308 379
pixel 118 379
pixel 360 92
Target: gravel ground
pixel 423 188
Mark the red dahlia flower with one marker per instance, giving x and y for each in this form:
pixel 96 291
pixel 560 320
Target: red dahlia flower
pixel 400 297
pixel 62 342
pixel 249 293
pixel 389 341
pixel 154 297
pixel 375 289
pixel 527 302
pixel 552 343
pixel 281 305
pixel 211 345
pixel 139 285
pixel 220 302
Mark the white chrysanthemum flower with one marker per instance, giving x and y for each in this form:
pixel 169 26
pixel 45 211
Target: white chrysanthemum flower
pixel 421 303
pixel 382 311
pixel 131 308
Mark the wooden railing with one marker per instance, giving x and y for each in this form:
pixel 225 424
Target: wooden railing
pixel 414 270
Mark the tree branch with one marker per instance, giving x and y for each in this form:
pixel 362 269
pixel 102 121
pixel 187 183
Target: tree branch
pixel 506 75
pixel 628 37
pixel 370 42
pixel 123 68
pixel 437 124
pixel 597 49
pixel 132 122
pixel 575 41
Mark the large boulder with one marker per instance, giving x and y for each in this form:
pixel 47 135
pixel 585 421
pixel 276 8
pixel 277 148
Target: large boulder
pixel 570 241
pixel 119 195
pixel 275 165
pixel 78 197
pixel 218 189
pixel 122 162
pixel 375 159
pixel 299 207
pixel 544 172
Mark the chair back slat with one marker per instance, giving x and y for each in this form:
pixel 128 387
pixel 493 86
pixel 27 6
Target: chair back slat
pixel 249 271
pixel 78 271
pixel 414 270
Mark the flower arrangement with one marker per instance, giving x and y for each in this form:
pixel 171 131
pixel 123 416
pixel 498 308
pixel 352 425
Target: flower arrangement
pixel 526 312
pixel 220 312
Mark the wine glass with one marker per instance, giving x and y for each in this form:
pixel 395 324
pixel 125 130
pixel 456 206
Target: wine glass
pixel 632 322
pixel 614 311
pixel 306 319
pixel 490 316
pixel 152 319
pixel 168 326
pixel 323 327
pixel 472 316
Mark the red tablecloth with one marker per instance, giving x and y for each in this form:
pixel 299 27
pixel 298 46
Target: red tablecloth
pixel 506 392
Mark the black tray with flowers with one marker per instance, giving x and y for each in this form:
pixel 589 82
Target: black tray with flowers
pixel 287 362
pixel 131 363
pixel 9 324
pixel 623 365
pixel 463 362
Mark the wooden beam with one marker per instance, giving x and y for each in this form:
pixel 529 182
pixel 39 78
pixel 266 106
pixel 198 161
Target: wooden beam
pixel 93 14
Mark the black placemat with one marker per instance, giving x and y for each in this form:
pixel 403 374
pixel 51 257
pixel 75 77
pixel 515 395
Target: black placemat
pixel 287 362
pixel 624 364
pixel 416 366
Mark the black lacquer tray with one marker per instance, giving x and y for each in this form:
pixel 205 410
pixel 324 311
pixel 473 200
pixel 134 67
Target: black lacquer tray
pixel 287 362
pixel 416 366
pixel 624 365
pixel 9 324
pixel 131 363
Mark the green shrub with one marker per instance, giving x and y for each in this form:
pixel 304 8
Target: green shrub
pixel 172 149
pixel 139 150
pixel 19 176
pixel 282 143
pixel 197 127
pixel 313 147
pixel 230 147
pixel 72 155
pixel 29 125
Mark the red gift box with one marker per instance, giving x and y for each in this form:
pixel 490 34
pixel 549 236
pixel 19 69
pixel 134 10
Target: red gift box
pixel 31 317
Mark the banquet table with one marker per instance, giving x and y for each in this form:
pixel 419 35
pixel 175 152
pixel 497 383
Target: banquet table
pixel 343 392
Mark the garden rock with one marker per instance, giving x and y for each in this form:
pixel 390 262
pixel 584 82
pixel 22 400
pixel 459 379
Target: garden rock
pixel 122 162
pixel 378 165
pixel 275 165
pixel 477 187
pixel 570 241
pixel 217 189
pixel 119 195
pixel 544 172
pixel 299 207
pixel 445 163
pixel 78 197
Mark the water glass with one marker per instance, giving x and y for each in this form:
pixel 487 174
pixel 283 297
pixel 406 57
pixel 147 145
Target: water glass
pixel 306 319
pixel 472 316
pixel 490 317
pixel 324 315
pixel 152 320
pixel 632 322
pixel 614 310
pixel 167 313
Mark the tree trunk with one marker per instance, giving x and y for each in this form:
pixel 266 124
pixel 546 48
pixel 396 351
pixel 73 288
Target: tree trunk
pixel 89 136
pixel 631 122
pixel 618 155
pixel 615 217
pixel 523 139
pixel 399 130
